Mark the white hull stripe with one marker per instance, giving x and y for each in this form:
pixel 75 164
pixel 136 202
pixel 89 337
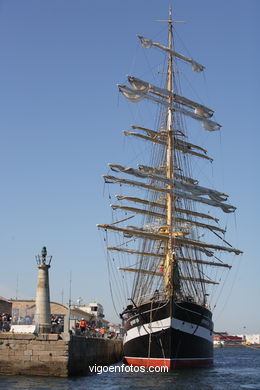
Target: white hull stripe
pixel 188 327
pixel 166 323
pixel 145 329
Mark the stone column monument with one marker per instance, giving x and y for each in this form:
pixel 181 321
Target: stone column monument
pixel 43 307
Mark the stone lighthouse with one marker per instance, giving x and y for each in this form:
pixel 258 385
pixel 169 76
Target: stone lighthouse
pixel 43 307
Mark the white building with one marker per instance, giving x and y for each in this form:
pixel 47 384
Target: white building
pixel 253 338
pixel 97 313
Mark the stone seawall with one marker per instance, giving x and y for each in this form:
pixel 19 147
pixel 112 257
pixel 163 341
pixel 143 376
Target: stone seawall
pixel 48 355
pixel 84 352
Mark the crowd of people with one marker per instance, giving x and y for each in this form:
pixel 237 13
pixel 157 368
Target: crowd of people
pixel 57 324
pixel 90 330
pixel 5 322
pixel 27 320
pixel 84 328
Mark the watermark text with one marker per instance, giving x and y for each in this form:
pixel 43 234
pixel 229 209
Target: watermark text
pixel 121 368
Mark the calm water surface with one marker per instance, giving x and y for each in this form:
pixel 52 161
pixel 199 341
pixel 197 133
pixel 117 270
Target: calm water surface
pixel 234 369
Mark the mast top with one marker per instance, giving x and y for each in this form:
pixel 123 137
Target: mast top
pixel 170 18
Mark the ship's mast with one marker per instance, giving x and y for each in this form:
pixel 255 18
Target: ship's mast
pixel 177 267
pixel 170 276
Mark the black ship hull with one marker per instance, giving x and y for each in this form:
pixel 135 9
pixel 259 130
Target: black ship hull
pixel 172 334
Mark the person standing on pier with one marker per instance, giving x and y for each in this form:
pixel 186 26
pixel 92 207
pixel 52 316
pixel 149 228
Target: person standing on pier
pixel 83 325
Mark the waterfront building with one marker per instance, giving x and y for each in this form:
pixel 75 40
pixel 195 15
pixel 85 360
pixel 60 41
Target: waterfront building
pixel 251 338
pixel 23 314
pixel 5 305
pixel 223 338
pixel 96 311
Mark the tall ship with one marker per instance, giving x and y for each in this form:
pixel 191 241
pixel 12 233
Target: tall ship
pixel 165 242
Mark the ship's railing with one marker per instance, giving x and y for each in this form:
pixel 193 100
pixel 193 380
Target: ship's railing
pixel 156 296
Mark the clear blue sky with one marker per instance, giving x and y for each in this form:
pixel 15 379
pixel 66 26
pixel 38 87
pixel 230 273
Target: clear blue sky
pixel 61 122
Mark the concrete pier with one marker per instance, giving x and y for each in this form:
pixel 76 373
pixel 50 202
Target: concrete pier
pixel 50 355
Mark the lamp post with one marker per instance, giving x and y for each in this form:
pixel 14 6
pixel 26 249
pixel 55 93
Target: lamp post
pixel 43 307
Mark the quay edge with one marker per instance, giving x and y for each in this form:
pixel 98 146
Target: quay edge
pixel 55 355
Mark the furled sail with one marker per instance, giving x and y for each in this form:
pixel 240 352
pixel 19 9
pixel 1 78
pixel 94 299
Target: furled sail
pixel 143 201
pixel 225 207
pixel 136 96
pixel 160 236
pixel 154 273
pixel 145 87
pixel 162 205
pixel 161 171
pixel 113 179
pixel 175 239
pixel 216 197
pixel 161 255
pixel 148 43
pixel 163 216
pixel 183 146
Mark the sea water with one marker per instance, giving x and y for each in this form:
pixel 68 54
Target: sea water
pixel 233 369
